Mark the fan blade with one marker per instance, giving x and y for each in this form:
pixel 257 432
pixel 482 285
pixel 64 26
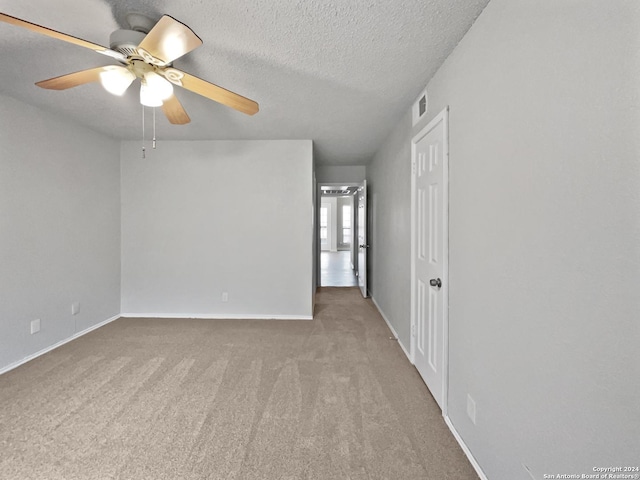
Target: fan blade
pixel 174 111
pixel 60 36
pixel 168 39
pixel 218 94
pixel 73 79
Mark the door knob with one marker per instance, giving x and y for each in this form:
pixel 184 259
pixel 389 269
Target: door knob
pixel 435 282
pixel 364 246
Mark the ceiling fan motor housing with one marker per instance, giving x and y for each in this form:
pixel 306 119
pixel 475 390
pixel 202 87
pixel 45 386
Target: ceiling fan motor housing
pixel 126 42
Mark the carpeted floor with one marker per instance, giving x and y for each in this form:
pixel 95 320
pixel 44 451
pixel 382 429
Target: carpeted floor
pixel 332 398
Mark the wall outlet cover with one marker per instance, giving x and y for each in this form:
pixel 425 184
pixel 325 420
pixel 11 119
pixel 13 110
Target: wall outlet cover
pixel 35 326
pixel 471 408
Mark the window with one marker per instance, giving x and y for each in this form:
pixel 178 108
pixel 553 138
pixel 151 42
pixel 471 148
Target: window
pixel 346 224
pixel 323 224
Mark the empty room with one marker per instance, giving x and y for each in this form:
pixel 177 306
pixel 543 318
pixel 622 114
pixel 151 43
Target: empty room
pixel 320 240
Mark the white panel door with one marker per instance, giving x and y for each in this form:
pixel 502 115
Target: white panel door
pixel 430 254
pixel 362 238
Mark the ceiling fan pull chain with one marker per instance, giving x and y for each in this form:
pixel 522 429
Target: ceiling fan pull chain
pixel 154 128
pixel 143 149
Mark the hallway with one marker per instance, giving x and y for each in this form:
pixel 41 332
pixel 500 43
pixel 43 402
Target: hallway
pixel 335 270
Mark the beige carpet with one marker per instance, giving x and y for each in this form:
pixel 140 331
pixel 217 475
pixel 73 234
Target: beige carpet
pixel 332 398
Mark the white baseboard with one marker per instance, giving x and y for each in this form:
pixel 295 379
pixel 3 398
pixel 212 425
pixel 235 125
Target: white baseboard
pixel 455 433
pixel 465 449
pixel 393 330
pixel 11 366
pixel 218 316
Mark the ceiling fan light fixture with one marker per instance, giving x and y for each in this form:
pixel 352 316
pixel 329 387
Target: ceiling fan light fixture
pixel 147 48
pixel 116 80
pixel 148 96
pixel 159 85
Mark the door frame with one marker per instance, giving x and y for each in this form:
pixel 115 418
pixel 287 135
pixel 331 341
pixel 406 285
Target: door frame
pixel 318 193
pixel 364 286
pixel 442 117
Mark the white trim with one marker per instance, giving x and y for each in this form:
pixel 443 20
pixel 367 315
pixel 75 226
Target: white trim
pixel 393 330
pixel 456 435
pixel 11 366
pixel 465 449
pixel 443 117
pixel 362 194
pixel 412 283
pixel 218 316
pixel 317 232
pixel 445 264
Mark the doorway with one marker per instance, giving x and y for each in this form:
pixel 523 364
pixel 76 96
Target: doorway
pixel 337 222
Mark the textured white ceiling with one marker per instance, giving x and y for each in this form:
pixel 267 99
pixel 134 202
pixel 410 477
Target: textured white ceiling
pixel 339 72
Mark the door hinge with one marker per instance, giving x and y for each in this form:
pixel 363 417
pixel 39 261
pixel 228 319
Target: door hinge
pixel 413 168
pixel 413 329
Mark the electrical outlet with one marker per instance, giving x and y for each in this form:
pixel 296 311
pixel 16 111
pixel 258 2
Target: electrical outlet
pixel 471 408
pixel 75 308
pixel 225 296
pixel 35 326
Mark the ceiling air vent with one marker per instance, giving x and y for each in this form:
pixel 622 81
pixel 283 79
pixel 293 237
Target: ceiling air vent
pixel 420 107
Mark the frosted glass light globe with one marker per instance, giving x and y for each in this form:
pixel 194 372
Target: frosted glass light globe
pixel 148 96
pixel 116 80
pixel 160 86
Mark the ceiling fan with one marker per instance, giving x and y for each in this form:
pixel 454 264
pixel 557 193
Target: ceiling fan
pixel 147 57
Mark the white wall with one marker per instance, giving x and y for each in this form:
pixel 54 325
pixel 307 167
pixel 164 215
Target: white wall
pixel 59 229
pixel 316 235
pixel 334 222
pixel 544 234
pixel 331 204
pixel 342 202
pixel 389 223
pixel 346 174
pixel 207 217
